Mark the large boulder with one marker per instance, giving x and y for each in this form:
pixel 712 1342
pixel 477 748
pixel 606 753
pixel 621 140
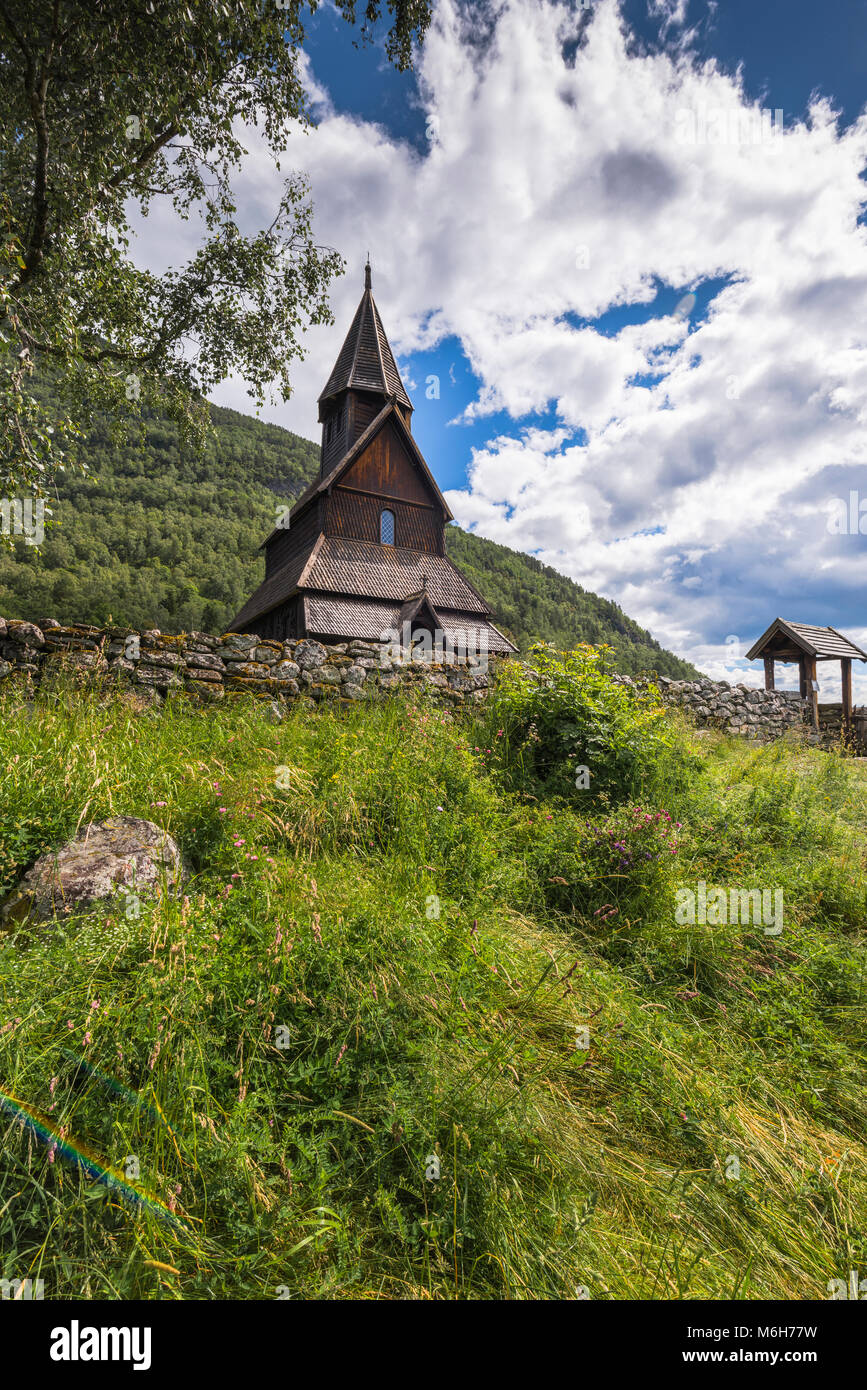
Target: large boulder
pixel 120 855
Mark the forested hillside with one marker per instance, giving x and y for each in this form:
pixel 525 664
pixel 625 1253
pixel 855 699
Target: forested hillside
pixel 156 537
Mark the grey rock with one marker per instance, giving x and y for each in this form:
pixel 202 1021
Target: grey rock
pixel 249 669
pixel 460 681
pixel 200 642
pixel 206 689
pixel 286 671
pixel 202 673
pixel 205 661
pixel 310 654
pixel 158 675
pixel 89 660
pixel 162 658
pixel 236 643
pixel 26 634
pixel 123 854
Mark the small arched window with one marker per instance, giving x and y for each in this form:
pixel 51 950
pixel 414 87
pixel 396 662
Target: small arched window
pixel 386 528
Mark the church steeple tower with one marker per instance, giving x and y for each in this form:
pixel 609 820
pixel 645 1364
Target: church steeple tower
pixel 363 379
pixel 363 549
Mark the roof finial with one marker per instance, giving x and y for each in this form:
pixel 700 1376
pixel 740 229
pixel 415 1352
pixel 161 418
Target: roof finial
pixel 367 273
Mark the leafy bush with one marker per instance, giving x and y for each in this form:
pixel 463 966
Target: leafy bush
pixel 561 711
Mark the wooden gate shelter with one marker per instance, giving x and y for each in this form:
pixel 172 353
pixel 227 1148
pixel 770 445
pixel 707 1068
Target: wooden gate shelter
pixel 801 642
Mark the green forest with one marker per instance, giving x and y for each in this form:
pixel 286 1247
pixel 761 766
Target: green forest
pixel 156 536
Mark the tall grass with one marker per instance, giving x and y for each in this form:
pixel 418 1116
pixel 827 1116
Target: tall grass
pixel 390 935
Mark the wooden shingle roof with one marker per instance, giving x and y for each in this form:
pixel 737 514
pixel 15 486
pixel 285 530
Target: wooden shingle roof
pixel 274 590
pixel 367 620
pixel 340 566
pixel 824 643
pixel 366 361
pixel 348 566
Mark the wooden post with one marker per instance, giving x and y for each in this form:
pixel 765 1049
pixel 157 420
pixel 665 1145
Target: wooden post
pixel 769 673
pixel 846 671
pixel 812 693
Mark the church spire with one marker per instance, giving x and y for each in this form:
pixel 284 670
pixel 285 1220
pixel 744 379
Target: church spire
pixel 366 361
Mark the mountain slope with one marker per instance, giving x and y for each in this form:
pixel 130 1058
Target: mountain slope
pixel 535 602
pixel 155 537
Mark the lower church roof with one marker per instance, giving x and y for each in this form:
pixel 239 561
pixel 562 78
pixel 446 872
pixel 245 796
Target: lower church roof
pixel 367 620
pixel 340 566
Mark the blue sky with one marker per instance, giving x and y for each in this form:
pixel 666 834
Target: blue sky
pixel 536 208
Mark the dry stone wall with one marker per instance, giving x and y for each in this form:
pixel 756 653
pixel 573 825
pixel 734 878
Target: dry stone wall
pixel 736 709
pixel 210 667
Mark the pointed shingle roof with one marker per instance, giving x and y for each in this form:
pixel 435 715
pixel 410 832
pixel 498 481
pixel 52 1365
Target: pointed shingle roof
pixel 366 361
pixel 825 643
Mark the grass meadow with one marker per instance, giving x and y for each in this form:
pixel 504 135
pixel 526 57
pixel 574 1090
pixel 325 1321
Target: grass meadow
pixel 408 945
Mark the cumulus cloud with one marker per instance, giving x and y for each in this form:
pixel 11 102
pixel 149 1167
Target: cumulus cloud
pixel 691 459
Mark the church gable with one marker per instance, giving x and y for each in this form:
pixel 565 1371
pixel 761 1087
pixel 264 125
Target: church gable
pixel 386 469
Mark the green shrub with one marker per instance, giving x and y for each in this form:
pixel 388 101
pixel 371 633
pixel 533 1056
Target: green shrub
pixel 562 711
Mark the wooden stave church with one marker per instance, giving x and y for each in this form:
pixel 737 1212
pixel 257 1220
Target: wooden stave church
pixel 364 548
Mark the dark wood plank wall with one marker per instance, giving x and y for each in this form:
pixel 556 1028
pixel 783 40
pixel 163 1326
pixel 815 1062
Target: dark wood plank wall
pixel 385 468
pixel 357 514
pixel 283 546
pixel 352 412
pixel 282 622
pixel 339 414
pixel 362 410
